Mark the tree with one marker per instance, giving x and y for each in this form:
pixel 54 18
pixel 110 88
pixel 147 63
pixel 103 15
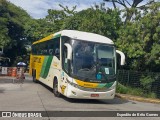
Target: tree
pixel 56 18
pixel 95 20
pixel 140 40
pixel 130 8
pixel 4 38
pixel 12 24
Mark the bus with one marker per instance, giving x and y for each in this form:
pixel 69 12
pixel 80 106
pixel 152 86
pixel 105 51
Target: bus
pixel 76 64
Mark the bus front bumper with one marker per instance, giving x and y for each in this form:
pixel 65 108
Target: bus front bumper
pixel 73 92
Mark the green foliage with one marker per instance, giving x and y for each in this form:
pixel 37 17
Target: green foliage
pixel 95 20
pixel 134 91
pixel 53 22
pixel 129 90
pixel 12 24
pixel 37 29
pixel 139 39
pixel 146 82
pixel 67 11
pixel 4 39
pixel 121 89
pixel 130 8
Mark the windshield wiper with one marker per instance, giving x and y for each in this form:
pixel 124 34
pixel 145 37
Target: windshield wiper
pixel 86 79
pixel 85 69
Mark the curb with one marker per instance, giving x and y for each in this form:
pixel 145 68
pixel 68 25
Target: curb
pixel 137 98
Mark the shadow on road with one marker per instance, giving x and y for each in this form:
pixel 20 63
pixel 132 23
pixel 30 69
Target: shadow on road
pixel 94 101
pixel 71 100
pixel 89 101
pixel 2 90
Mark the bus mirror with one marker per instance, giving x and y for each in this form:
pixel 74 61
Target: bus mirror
pixel 69 49
pixel 122 57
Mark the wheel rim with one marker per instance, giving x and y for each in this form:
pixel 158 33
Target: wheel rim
pixel 34 77
pixel 55 89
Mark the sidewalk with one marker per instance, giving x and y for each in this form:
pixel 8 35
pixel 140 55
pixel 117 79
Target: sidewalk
pixel 9 79
pixel 6 79
pixel 137 98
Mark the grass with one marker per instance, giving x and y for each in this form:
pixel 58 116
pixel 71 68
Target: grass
pixel 134 91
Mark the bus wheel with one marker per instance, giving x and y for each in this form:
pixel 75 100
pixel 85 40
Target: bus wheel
pixel 34 76
pixel 55 88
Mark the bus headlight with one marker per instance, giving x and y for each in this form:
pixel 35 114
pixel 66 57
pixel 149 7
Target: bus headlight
pixel 72 84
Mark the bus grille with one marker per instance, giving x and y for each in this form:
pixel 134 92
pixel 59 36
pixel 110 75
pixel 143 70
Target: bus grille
pixel 93 89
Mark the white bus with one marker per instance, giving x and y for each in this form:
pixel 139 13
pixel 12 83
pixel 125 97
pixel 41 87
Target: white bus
pixel 76 64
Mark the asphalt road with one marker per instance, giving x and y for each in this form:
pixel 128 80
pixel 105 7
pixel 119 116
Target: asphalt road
pixel 30 96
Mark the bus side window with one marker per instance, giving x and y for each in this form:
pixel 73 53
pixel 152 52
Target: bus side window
pixel 40 49
pixel 56 51
pixel 36 49
pixel 57 47
pixel 45 48
pixel 50 52
pixel 65 61
pixel 51 47
pixel 64 52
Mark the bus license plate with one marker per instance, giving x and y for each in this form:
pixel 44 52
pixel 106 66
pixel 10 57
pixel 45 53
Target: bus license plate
pixel 94 95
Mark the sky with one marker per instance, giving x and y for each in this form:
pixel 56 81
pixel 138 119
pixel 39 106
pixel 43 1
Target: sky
pixel 38 8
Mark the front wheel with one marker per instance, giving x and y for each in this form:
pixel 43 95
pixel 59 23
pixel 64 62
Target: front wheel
pixel 55 88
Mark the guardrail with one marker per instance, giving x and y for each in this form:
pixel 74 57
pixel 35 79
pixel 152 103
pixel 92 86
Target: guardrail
pixel 146 83
pixel 8 71
pixel 15 73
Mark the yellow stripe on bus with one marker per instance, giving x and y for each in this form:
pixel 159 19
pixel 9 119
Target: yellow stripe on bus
pixel 44 39
pixel 86 84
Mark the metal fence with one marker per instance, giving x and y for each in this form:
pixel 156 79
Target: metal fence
pixel 146 82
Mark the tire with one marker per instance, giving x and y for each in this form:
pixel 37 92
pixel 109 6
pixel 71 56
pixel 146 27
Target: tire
pixel 34 76
pixel 55 88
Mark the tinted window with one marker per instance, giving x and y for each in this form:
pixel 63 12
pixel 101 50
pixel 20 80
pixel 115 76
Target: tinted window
pixel 51 47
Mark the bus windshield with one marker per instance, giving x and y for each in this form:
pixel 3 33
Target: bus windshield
pixel 93 62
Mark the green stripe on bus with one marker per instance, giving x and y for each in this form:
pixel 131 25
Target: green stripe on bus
pixel 46 66
pixel 59 35
pixel 108 85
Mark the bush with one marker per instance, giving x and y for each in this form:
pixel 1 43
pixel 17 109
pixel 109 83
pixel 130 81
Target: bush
pixel 134 91
pixel 121 88
pixel 146 82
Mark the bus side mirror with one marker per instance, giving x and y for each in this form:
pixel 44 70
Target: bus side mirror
pixel 69 51
pixel 122 57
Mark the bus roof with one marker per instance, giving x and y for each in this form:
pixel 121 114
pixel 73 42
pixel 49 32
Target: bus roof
pixel 74 34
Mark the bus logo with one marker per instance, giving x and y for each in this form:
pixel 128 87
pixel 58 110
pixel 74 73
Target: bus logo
pixel 95 90
pixel 6 114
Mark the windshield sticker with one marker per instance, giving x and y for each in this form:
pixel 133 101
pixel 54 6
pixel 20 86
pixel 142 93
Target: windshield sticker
pixel 99 76
pixel 62 74
pixel 107 70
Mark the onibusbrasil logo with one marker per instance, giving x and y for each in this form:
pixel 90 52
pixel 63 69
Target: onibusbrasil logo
pixel 21 114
